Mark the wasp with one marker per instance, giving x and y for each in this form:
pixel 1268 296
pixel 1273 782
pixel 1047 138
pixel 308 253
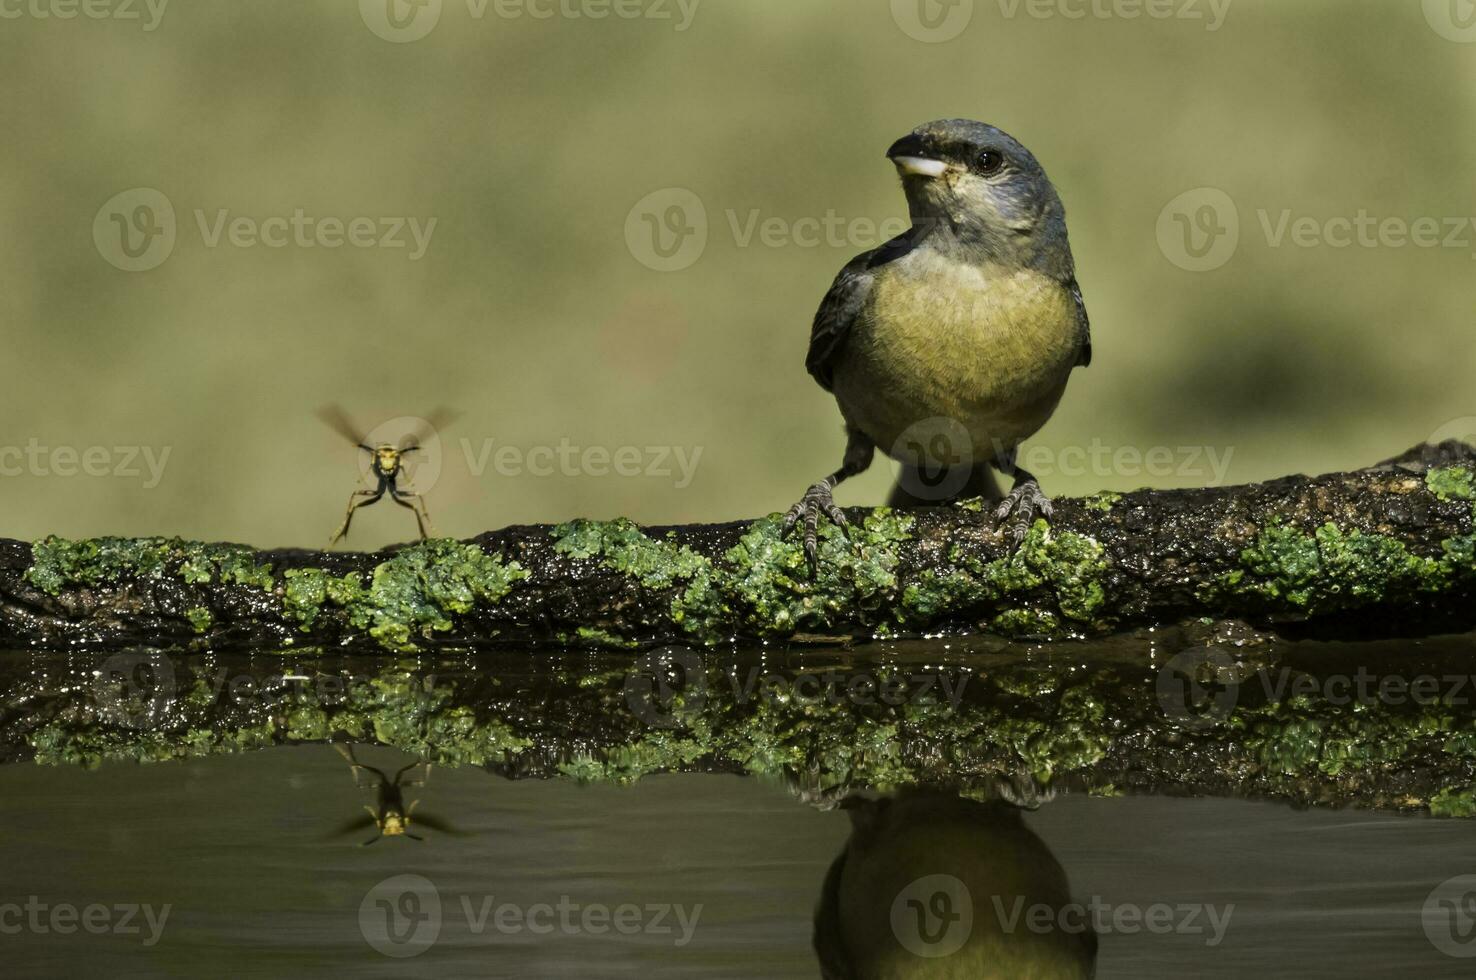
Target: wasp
pixel 389 815
pixel 387 463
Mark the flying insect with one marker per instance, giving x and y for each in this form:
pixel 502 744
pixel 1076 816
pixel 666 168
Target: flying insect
pixel 389 815
pixel 387 464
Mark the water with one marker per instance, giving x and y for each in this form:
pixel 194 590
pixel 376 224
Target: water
pixel 233 864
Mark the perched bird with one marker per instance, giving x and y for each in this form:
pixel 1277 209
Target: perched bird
pixel 951 344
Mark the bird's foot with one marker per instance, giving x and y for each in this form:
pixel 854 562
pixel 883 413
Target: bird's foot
pixel 1025 502
pixel 816 501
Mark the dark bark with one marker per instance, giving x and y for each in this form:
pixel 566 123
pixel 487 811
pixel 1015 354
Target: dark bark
pixel 1388 549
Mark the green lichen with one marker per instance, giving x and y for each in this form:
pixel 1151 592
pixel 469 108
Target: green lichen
pixel 591 636
pixel 58 562
pixel 763 582
pixel 1025 622
pixel 768 580
pixel 934 594
pixel 1452 483
pixel 1331 569
pixel 395 708
pixel 1015 720
pixel 307 589
pixel 1054 579
pixel 416 592
pixel 200 618
pixel 624 547
pixel 698 607
pixel 1069 566
pixel 1102 502
pixel 1452 802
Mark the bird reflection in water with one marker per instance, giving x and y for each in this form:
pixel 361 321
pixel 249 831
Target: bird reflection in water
pixel 933 886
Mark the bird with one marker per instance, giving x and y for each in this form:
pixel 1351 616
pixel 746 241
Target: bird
pixel 949 345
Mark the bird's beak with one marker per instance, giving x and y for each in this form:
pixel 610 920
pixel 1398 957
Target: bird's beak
pixel 913 159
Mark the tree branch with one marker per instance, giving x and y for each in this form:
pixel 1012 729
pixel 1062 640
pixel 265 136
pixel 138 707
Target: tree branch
pixel 1390 549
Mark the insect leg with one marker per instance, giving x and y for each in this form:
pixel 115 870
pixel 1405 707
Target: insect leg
pixel 356 500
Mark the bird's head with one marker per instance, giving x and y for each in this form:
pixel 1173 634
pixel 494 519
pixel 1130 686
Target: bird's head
pixel 981 187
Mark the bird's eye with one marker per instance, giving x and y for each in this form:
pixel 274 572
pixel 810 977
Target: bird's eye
pixel 989 162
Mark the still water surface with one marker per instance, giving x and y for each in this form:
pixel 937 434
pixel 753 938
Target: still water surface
pixel 239 865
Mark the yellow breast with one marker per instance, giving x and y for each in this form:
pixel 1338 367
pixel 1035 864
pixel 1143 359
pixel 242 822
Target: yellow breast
pixel 987 347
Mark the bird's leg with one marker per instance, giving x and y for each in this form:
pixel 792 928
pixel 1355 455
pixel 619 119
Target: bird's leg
pixel 354 503
pixel 422 516
pixel 818 499
pixel 1025 501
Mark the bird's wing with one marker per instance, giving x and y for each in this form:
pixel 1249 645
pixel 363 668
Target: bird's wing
pixel 846 300
pixel 1083 323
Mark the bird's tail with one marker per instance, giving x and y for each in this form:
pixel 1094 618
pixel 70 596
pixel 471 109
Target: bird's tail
pixel 932 486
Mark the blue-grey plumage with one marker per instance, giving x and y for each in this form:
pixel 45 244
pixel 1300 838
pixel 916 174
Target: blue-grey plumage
pixel 951 344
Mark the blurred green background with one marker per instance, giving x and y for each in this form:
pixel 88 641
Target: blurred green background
pixel 535 309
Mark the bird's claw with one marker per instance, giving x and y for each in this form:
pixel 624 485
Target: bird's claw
pixel 1025 502
pixel 816 501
